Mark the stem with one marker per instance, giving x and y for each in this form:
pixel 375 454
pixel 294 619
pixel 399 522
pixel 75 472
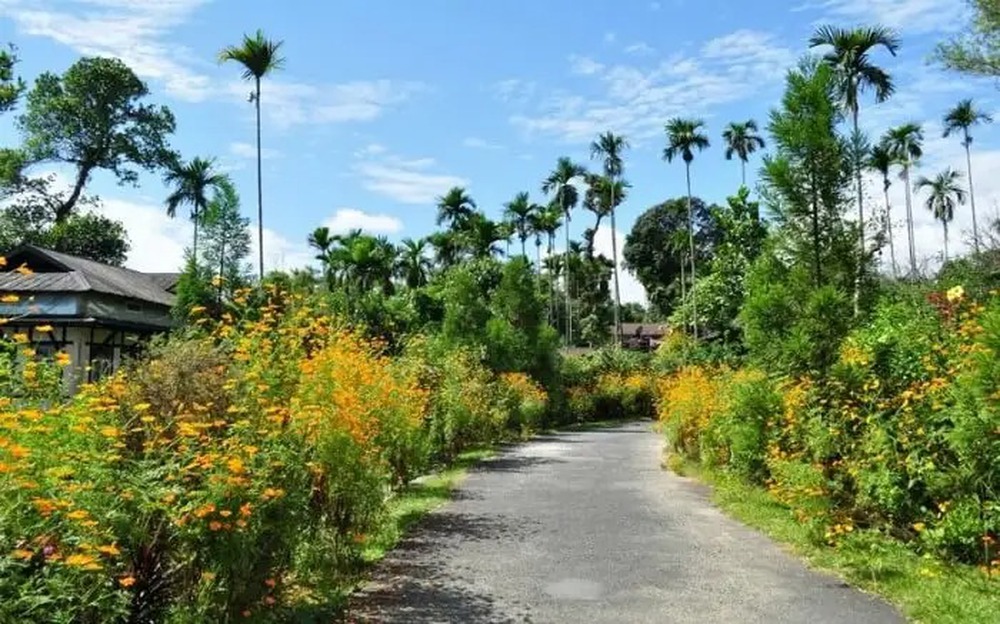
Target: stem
pixel 614 259
pixel 861 214
pixel 694 297
pixel 972 195
pixel 909 220
pixel 888 228
pixel 260 189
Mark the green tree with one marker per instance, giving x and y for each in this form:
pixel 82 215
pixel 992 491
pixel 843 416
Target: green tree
pixel 481 235
pixel 963 117
pixel 447 248
pixel 259 57
pixel 92 118
pixel 519 212
pixel 191 183
pixel 11 86
pixel 945 194
pixel 806 177
pixel 976 51
pixel 880 160
pixel 905 143
pixel 322 241
pixel 455 208
pixel 849 55
pixel 194 288
pixel 684 136
pixel 742 140
pixel 610 148
pixel 413 264
pixel 227 237
pixel 90 235
pixel 559 184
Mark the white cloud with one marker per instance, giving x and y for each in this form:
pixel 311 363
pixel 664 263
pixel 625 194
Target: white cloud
pixel 135 31
pixel 640 48
pixel 636 100
pixel 584 65
pixel 347 219
pixel 478 143
pixel 246 150
pixel 913 16
pixel 629 287
pixel 514 90
pixel 408 181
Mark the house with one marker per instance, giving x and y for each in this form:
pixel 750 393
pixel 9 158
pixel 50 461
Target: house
pixel 643 336
pixel 95 313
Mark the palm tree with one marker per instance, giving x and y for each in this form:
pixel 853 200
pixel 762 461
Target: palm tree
pixel 259 56
pixel 413 264
pixel 191 182
pixel 849 57
pixel 455 207
pixel 610 148
pixel 945 195
pixel 684 136
pixel 446 248
pixel 880 159
pixel 519 211
pixel 322 241
pixel 559 183
pixel 549 221
pixel 963 117
pixel 905 144
pixel 741 141
pixel 481 235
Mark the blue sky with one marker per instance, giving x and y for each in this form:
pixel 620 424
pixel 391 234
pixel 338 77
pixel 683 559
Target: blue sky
pixel 384 105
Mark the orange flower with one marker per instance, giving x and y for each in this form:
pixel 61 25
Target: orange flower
pixel 87 562
pixel 215 525
pixel 111 550
pixel 63 358
pixel 127 581
pixel 23 554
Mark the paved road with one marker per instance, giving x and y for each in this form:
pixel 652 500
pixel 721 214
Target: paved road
pixel 585 527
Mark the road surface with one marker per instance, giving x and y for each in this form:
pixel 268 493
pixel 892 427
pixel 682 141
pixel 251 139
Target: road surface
pixel 585 527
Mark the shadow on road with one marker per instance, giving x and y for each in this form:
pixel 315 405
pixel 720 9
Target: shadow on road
pixel 413 585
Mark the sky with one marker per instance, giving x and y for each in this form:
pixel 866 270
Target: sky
pixel 383 105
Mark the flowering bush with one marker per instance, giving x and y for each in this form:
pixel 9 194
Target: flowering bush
pixel 902 432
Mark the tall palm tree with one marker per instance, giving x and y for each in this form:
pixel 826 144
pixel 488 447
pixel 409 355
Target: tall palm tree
pixel 560 184
pixel 455 207
pixel 482 235
pixel 880 159
pixel 191 182
pixel 610 148
pixel 259 57
pixel 684 136
pixel 945 195
pixel 413 264
pixel 963 117
pixel 519 211
pixel 850 58
pixel 741 141
pixel 905 144
pixel 549 221
pixel 322 241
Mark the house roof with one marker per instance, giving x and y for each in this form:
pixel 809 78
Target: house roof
pixel 58 272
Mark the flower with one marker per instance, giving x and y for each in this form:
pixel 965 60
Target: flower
pixel 87 562
pixel 63 358
pixel 9 298
pixel 24 270
pixel 43 328
pixel 111 550
pixel 214 525
pixel 127 581
pixel 955 294
pixel 20 553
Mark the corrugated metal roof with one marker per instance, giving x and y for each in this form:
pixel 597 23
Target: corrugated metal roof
pixel 82 275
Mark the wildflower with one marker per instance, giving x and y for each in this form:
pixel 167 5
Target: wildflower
pixel 20 338
pixel 245 510
pixel 955 294
pixel 24 270
pixel 919 527
pixel 214 525
pixel 127 581
pixel 9 298
pixel 207 577
pixel 110 550
pixel 62 358
pixel 204 510
pixel 270 583
pixel 43 329
pixel 22 554
pixel 79 514
pixel 87 562
pixel 197 310
pixel 3 262
pixel 269 600
pixel 236 466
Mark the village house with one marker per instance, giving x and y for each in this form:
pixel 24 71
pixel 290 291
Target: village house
pixel 97 314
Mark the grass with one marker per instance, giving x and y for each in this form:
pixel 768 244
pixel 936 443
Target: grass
pixel 416 500
pixel 926 589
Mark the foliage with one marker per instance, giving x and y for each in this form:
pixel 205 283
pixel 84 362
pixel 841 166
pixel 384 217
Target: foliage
pixel 227 239
pixel 977 50
pixel 93 117
pixel 11 87
pixel 88 235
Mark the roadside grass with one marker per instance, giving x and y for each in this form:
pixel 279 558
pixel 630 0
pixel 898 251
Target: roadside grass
pixel 926 589
pixel 418 499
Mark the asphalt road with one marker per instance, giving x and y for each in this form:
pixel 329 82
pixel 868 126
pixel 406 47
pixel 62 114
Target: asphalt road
pixel 585 527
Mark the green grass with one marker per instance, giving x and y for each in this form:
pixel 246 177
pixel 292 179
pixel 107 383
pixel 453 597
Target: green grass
pixel 925 589
pixel 416 500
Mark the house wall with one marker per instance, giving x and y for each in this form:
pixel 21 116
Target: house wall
pixel 126 310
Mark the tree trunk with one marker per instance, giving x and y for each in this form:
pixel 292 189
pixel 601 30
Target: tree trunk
pixel 694 272
pixel 945 224
pixel 743 171
pixel 614 259
pixel 64 209
pixel 972 195
pixel 194 250
pixel 552 284
pixel 260 190
pixel 683 283
pixel 861 218
pixel 222 269
pixel 909 220
pixel 888 230
pixel 524 250
pixel 566 276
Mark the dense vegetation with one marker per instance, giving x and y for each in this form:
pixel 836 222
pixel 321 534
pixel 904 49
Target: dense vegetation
pixel 240 468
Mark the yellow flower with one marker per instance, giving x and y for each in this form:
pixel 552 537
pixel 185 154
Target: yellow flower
pixel 127 581
pixel 87 562
pixel 79 514
pixel 3 262
pixel 955 294
pixel 23 554
pixel 919 527
pixel 43 328
pixel 9 298
pixel 63 359
pixel 111 550
pixel 24 270
pixel 197 310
